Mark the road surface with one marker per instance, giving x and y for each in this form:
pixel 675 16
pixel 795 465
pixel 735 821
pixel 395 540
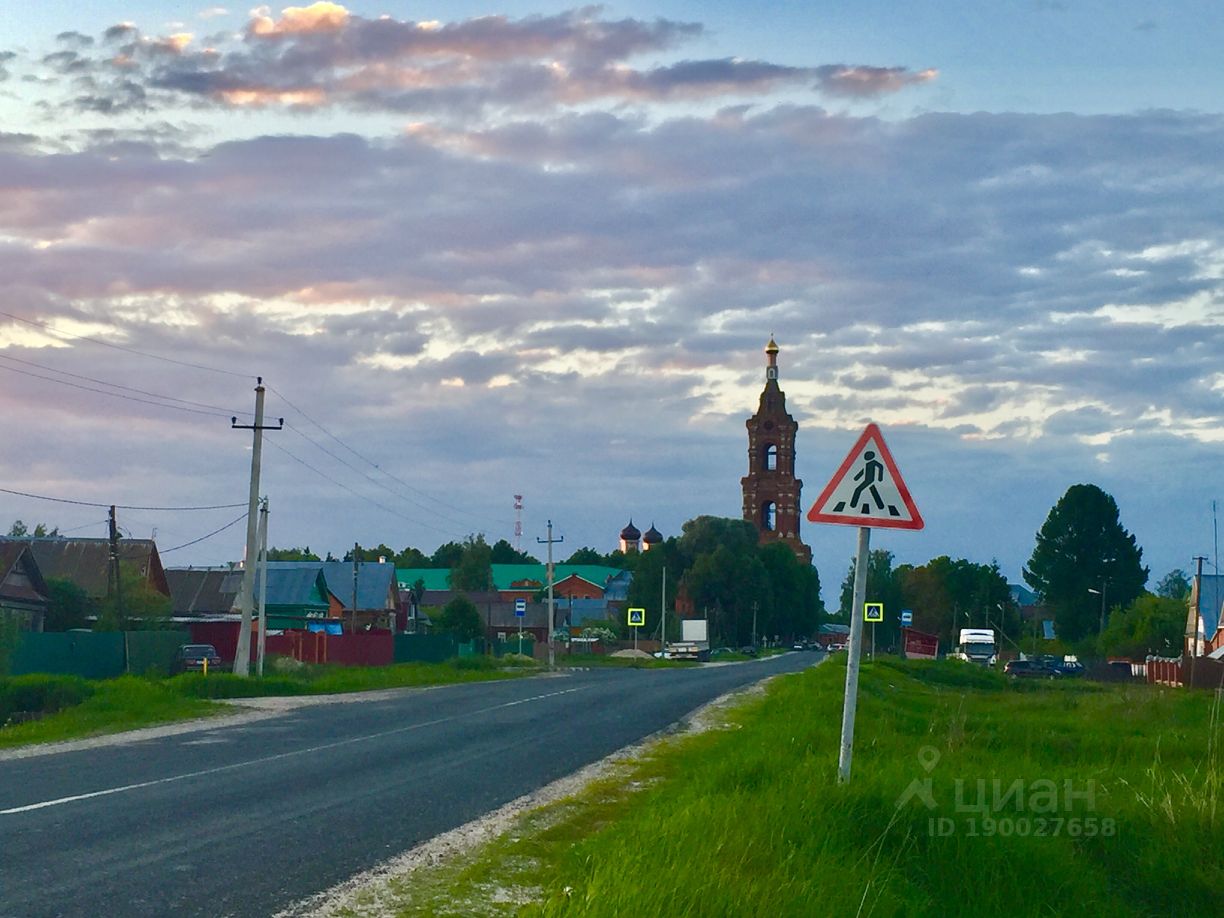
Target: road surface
pixel 246 819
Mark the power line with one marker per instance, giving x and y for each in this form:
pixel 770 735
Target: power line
pixel 103 382
pixel 340 484
pixel 86 503
pixel 130 398
pixel 162 551
pixel 120 347
pixel 375 465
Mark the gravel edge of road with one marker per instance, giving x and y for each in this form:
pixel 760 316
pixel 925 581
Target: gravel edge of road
pixel 376 881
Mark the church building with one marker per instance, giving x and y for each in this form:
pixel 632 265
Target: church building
pixel 771 490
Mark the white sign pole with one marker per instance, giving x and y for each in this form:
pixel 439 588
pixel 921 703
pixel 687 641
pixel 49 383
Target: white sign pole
pixel 854 651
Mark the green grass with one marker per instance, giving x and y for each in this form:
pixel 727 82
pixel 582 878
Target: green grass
pixel 111 706
pixel 751 821
pixel 74 708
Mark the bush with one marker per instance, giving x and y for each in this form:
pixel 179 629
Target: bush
pixel 227 685
pixel 474 663
pixel 41 694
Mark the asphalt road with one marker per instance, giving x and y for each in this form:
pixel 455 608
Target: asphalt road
pixel 247 819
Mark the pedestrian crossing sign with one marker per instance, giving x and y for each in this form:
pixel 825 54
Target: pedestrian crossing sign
pixel 637 618
pixel 873 611
pixel 867 490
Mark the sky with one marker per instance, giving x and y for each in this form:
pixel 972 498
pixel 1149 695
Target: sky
pixel 482 250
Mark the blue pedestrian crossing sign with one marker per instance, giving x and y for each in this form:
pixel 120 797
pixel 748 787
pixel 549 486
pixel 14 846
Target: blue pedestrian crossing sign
pixel 520 607
pixel 637 618
pixel 873 611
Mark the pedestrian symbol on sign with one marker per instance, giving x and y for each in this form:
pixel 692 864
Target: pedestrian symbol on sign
pixel 871 472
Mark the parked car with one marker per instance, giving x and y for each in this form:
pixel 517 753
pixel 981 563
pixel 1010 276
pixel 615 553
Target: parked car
pixel 836 647
pixel 748 650
pixel 1032 669
pixel 190 658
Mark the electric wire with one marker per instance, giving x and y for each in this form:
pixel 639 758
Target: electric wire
pixel 162 551
pixel 375 465
pixel 340 484
pixel 86 503
pixel 179 404
pixel 119 347
pixel 130 398
pixel 103 382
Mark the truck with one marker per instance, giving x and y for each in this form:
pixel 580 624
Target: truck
pixel 694 643
pixel 976 645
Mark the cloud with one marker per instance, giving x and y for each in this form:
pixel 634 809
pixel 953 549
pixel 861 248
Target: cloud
pixel 569 299
pixel 298 20
pixel 860 82
pixel 324 56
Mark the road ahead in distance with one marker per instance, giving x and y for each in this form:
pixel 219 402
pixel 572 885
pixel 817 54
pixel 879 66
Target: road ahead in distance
pixel 247 819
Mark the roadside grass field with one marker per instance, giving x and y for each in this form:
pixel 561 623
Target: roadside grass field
pixel 101 706
pixel 1095 800
pixel 69 707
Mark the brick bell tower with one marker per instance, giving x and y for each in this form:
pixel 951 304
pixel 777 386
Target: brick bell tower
pixel 771 490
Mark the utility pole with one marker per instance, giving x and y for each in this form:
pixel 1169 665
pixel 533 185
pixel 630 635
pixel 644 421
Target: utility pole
pixel 263 586
pixel 242 656
pixel 550 541
pixel 663 619
pixel 353 623
pixel 114 571
pixel 754 612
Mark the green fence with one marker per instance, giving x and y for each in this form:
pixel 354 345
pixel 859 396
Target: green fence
pixel 96 654
pixel 424 648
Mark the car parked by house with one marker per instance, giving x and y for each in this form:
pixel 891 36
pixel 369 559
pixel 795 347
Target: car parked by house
pixel 192 658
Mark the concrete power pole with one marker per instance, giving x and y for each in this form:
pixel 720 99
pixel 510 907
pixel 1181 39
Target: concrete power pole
pixel 550 541
pixel 663 619
pixel 263 586
pixel 242 656
pixel 114 572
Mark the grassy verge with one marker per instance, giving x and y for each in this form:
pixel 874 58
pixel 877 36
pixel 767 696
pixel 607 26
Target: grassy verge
pixel 111 706
pixel 1119 811
pixel 74 708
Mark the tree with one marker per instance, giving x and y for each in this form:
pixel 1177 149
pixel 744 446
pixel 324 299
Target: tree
pixel 412 557
pixel 382 552
pixel 292 554
pixel 69 606
pixel 20 530
pixel 136 604
pixel 1174 585
pixel 947 595
pixel 505 553
pixel 882 586
pixel 1149 625
pixel 461 619
pixel 586 555
pixel 473 571
pixel 447 555
pixel 1085 561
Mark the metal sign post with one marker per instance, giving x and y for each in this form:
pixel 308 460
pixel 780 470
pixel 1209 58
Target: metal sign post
pixel 637 618
pixel 854 651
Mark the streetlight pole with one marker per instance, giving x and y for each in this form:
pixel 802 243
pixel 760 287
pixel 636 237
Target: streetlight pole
pixel 1101 591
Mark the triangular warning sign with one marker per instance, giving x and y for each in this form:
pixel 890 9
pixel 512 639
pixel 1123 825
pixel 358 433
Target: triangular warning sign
pixel 867 490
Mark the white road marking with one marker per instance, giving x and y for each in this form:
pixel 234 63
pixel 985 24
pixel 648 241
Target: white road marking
pixel 273 758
